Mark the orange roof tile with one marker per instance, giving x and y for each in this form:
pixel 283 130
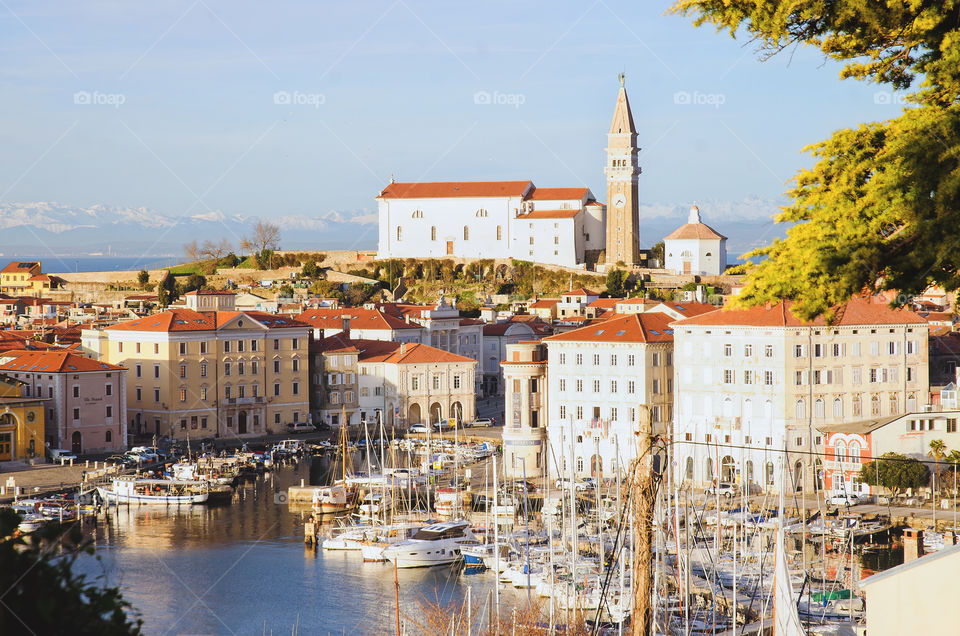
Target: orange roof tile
pixel 694 231
pixel 337 343
pixel 544 303
pixel 651 327
pixel 605 303
pixel 404 353
pixel 21 267
pixel 448 189
pixel 580 292
pixel 857 311
pixel 549 214
pixel 691 309
pixel 53 362
pixel 557 194
pixel 359 319
pixel 171 320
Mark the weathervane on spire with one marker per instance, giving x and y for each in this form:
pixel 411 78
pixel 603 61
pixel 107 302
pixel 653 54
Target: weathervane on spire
pixel 621 77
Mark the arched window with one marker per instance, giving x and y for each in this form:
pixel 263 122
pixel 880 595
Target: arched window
pixel 466 233
pixel 837 407
pixel 688 470
pixel 708 476
pixel 769 472
pixel 894 404
pixel 579 464
pixel 840 450
pixel 109 436
pixel 911 403
pixel 499 232
pixel 875 405
pixel 481 213
pixel 433 232
pixel 853 453
pixel 818 408
pixel 399 233
pixel 708 254
pixel 417 214
pixel 857 410
pixel 800 409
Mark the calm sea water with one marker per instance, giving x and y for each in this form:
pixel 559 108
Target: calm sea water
pixel 53 264
pixel 244 569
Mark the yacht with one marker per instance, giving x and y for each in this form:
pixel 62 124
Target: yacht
pixel 134 490
pixel 436 544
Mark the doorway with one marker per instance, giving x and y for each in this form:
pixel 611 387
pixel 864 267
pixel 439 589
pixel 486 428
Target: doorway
pixel 242 423
pixel 76 443
pixel 449 248
pixel 6 446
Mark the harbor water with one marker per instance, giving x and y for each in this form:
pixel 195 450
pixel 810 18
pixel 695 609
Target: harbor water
pixel 243 568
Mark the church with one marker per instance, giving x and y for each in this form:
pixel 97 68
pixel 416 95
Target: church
pixel 516 219
pixel 695 248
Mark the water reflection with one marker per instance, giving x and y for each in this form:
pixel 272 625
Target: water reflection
pixel 243 568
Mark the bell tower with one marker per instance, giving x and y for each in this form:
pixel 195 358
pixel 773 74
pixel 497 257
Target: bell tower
pixel 622 171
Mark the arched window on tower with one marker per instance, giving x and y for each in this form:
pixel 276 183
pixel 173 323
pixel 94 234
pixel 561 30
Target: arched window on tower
pixel 466 233
pixel 499 232
pixel 433 232
pixel 399 233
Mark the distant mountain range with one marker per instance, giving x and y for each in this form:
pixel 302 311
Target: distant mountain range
pixel 27 229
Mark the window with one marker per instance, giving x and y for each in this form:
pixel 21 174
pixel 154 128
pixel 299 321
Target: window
pixel 109 411
pixel 596 386
pixel 120 347
pixel 768 351
pixel 276 344
pixel 655 361
pixel 748 377
pixel 253 345
pixel 203 346
pixel 183 394
pixel 203 369
pixel 818 410
pixel 138 347
pixel 276 388
pixel 334 398
pixel 203 393
pixel 415 383
pixel 563 412
pixel 856 375
pixel 139 370
pixel 563 384
pixel 433 232
pixel 276 366
pixel 768 378
pixel 436 381
pixel 296 388
pixel 728 376
pixel 818 350
pixel 531 240
pixel 76 391
pixel 499 233
pixel 837 407
pixel 613 360
pixel 799 351
pixel 631 386
pixel 579 385
pixel 108 437
pixel 76 414
pixel 183 370
pixel 747 350
pixel 226 368
pixel 563 358
pixel 856 406
pixel 875 405
pixel 294 343
pixel 613 386
pixel 952 425
pixel 239 346
pixel 466 233
pixel 227 392
pixel 183 348
pixel 579 358
pixel 296 364
pixel 630 360
pixel 613 413
pixel 800 409
pixel 203 422
pixel 139 394
pixel 156 370
pixel 226 346
pixel 156 394
pixel 456 382
pixel 596 359
pixel 727 350
pixel 656 387
pixel 579 412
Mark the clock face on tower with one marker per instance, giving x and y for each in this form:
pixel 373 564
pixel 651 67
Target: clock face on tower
pixel 619 200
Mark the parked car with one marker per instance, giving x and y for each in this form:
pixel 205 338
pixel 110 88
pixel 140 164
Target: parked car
pixel 843 499
pixel 441 425
pixel 58 454
pixel 724 489
pixel 481 422
pixel 580 484
pixel 301 427
pixel 519 485
pixel 419 428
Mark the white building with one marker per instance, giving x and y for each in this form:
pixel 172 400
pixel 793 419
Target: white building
pixel 496 338
pixel 524 427
pixel 599 379
pixel 489 219
pixel 753 382
pixel 695 248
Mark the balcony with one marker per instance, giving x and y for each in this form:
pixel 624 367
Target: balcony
pixel 243 401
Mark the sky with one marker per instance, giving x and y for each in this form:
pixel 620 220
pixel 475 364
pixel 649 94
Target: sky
pixel 277 108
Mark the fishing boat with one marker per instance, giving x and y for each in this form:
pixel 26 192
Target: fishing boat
pixel 447 502
pixel 436 544
pixel 168 492
pixel 334 499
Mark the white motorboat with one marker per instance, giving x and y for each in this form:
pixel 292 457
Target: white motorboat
pixel 31 522
pixel 436 544
pixel 167 492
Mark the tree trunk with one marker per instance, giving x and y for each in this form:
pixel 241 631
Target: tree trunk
pixel 642 617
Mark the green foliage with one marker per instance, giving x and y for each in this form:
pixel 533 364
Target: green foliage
pixel 326 289
pixel 742 268
pixel 616 283
pixel 143 278
pixel 359 293
pixel 167 291
pixel 43 595
pixel 193 282
pixel 310 270
pixel 285 291
pixel 657 252
pixel 878 210
pixel 264 259
pixel 895 472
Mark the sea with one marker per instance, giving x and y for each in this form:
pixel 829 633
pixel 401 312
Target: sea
pixel 60 264
pixel 243 568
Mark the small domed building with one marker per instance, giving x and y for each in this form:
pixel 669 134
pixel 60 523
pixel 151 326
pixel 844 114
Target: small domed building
pixel 695 248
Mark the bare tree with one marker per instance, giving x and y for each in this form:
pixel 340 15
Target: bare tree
pixel 215 251
pixel 192 251
pixel 266 236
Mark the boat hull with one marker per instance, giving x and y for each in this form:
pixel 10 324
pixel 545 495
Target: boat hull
pixel 154 500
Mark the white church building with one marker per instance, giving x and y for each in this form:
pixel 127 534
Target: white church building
pixel 489 219
pixel 695 248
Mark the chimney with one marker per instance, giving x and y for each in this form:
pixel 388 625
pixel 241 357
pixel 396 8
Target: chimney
pixel 912 544
pixel 346 326
pixel 403 348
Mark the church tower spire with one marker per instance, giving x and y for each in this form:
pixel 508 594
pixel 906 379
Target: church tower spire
pixel 623 172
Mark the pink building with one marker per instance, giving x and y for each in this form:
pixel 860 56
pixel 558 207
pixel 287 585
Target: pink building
pixel 85 399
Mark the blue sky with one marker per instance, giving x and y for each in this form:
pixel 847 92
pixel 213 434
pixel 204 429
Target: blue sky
pixel 388 87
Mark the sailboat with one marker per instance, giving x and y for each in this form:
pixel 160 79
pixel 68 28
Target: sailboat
pixel 340 496
pixel 786 621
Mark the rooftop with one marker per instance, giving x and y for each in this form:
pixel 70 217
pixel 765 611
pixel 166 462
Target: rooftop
pixel 648 327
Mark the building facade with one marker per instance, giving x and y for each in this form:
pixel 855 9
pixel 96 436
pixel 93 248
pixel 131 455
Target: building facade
pixel 695 248
pixel 755 383
pixel 524 426
pixel 214 374
pixel 21 421
pixel 623 194
pixel 602 379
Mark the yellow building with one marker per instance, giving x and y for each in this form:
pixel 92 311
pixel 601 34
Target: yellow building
pixel 21 422
pixel 24 278
pixel 209 374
